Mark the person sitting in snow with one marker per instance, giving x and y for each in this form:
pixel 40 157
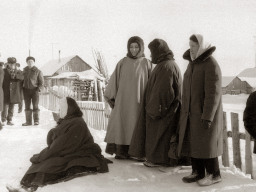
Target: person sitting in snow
pixel 71 151
pixel 249 117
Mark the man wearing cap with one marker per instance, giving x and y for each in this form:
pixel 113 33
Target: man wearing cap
pixel 12 89
pixel 21 92
pixel 33 83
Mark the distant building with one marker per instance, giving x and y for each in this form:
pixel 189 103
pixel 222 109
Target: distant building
pixel 65 66
pixel 244 82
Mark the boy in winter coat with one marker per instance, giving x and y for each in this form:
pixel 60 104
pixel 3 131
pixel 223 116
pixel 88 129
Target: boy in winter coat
pixel 33 83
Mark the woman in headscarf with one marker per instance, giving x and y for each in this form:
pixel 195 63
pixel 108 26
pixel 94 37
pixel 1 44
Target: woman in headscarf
pixel 124 94
pixel 71 151
pixel 1 90
pixel 161 107
pixel 200 132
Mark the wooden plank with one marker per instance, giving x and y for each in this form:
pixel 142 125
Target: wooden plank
pixel 236 140
pixel 248 154
pixel 225 156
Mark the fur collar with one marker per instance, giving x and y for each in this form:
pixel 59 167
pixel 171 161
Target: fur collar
pixel 202 57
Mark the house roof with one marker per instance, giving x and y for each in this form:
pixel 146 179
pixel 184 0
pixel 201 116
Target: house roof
pixel 250 72
pixel 52 66
pixel 84 75
pixel 226 80
pixel 250 80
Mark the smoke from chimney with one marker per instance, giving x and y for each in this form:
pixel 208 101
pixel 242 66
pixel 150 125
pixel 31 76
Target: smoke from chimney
pixel 59 56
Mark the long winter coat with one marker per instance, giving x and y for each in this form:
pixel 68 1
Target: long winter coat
pixel 160 114
pixel 126 89
pixel 250 117
pixel 201 99
pixel 1 88
pixel 12 87
pixel 69 144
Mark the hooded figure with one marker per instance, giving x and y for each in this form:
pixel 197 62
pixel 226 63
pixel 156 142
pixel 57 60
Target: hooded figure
pixel 160 111
pixel 124 94
pixel 71 151
pixel 201 119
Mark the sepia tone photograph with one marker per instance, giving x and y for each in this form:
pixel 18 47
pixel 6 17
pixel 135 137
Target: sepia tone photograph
pixel 121 96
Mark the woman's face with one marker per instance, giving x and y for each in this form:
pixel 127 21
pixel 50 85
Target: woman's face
pixel 194 47
pixel 134 49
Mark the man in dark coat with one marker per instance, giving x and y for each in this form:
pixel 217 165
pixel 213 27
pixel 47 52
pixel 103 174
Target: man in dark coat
pixel 71 151
pixel 12 89
pixel 33 83
pixel 160 112
pixel 21 92
pixel 201 123
pixel 250 117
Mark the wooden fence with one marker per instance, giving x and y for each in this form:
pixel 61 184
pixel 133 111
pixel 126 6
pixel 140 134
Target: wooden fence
pixel 96 115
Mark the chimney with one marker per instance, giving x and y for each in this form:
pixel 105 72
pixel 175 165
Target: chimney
pixel 59 56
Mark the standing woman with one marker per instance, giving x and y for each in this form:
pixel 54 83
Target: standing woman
pixel 1 90
pixel 161 109
pixel 200 134
pixel 124 94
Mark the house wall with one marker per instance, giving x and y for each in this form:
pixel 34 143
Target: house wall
pixel 236 87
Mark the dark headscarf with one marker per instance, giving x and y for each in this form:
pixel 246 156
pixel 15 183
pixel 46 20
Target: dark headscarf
pixel 140 42
pixel 160 51
pixel 73 110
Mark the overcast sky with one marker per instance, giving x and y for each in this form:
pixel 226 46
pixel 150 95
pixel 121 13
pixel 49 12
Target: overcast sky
pixel 77 26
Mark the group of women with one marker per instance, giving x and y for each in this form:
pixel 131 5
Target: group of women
pixel 156 121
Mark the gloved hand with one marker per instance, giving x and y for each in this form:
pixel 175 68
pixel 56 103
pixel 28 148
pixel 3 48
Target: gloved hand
pixel 34 159
pixel 206 124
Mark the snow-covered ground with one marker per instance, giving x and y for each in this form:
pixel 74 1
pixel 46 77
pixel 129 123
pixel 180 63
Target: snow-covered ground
pixel 18 144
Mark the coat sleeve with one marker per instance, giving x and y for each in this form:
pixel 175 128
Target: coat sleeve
pixel 40 80
pixel 212 89
pixel 20 75
pixel 165 94
pixel 113 84
pixel 249 117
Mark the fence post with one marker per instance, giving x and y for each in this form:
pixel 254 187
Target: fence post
pixel 248 154
pixel 225 156
pixel 236 140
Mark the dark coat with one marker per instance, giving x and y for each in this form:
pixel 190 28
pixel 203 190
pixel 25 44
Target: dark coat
pixel 250 117
pixel 12 86
pixel 201 100
pixel 159 115
pixel 33 78
pixel 1 88
pixel 69 144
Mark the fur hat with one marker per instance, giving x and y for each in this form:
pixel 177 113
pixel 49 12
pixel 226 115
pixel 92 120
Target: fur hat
pixel 140 42
pixel 11 60
pixel 32 58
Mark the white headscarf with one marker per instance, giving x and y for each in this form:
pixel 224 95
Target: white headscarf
pixel 63 107
pixel 203 45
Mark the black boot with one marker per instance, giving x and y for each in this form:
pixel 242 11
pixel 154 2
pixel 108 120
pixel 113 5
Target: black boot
pixel 36 114
pixel 28 114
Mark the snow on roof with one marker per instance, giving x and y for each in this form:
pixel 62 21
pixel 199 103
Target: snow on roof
pixel 52 66
pixel 226 80
pixel 250 72
pixel 84 75
pixel 250 80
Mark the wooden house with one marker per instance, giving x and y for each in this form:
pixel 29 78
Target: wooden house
pixel 244 82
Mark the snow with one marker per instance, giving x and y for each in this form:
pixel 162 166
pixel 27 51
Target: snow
pixel 19 143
